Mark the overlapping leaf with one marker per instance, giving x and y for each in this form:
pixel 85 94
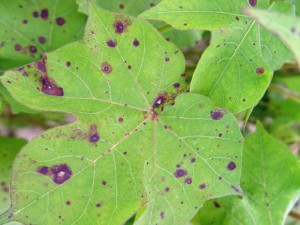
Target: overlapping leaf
pixel 286 27
pixel 236 62
pixel 134 8
pixel 29 28
pixel 8 150
pixel 133 144
pixel 270 179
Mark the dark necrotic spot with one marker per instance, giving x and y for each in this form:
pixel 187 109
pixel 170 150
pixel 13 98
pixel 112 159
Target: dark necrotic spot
pixel 106 68
pixel 61 173
pixel 44 14
pixel 202 186
pixel 32 49
pixel 35 14
pixel 217 114
pixel 94 137
pixel 180 173
pixel 111 43
pixel 120 120
pixel 50 88
pixel 119 27
pixel 162 215
pixel 231 166
pixel 121 6
pixel 104 182
pixel 68 64
pixel 188 180
pixel 98 205
pixel 25 21
pixel 167 189
pixel 167 59
pixel 293 30
pixel 44 170
pixel 136 42
pixel 60 21
pixel 217 205
pixel 237 18
pixel 193 160
pixel 176 85
pixel 152 4
pixel 40 66
pixel 159 100
pixel 42 40
pixel 18 47
pixel 260 70
pixel 68 202
pixel 253 2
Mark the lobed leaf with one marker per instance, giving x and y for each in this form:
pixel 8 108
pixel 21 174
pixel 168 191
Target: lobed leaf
pixel 271 182
pixel 30 28
pixel 137 141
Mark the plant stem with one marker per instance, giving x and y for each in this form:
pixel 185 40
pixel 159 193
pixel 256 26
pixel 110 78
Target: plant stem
pixel 293 95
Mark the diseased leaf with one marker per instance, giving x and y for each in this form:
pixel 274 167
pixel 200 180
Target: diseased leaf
pixel 134 143
pixel 202 14
pixel 286 27
pixel 29 28
pixel 129 7
pixel 236 69
pixel 271 183
pixel 134 8
pixel 8 150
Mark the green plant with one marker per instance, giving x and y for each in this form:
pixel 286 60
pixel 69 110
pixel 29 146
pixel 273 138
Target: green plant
pixel 159 138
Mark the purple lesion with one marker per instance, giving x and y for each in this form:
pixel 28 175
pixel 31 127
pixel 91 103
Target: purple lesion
pixel 93 136
pixel 49 87
pixel 60 173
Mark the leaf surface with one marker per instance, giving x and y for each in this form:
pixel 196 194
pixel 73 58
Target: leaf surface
pixel 286 27
pixel 30 28
pixel 133 145
pixel 271 182
pixel 236 69
pixel 134 8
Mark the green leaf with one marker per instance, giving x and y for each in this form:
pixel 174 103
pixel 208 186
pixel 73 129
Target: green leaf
pixel 236 69
pixel 296 3
pixel 15 106
pixel 131 145
pixel 286 27
pixel 134 8
pixel 128 7
pixel 30 28
pixel 200 14
pixel 271 182
pixel 9 147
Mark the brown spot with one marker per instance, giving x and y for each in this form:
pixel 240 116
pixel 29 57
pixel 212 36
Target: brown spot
pixel 121 24
pixel 106 68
